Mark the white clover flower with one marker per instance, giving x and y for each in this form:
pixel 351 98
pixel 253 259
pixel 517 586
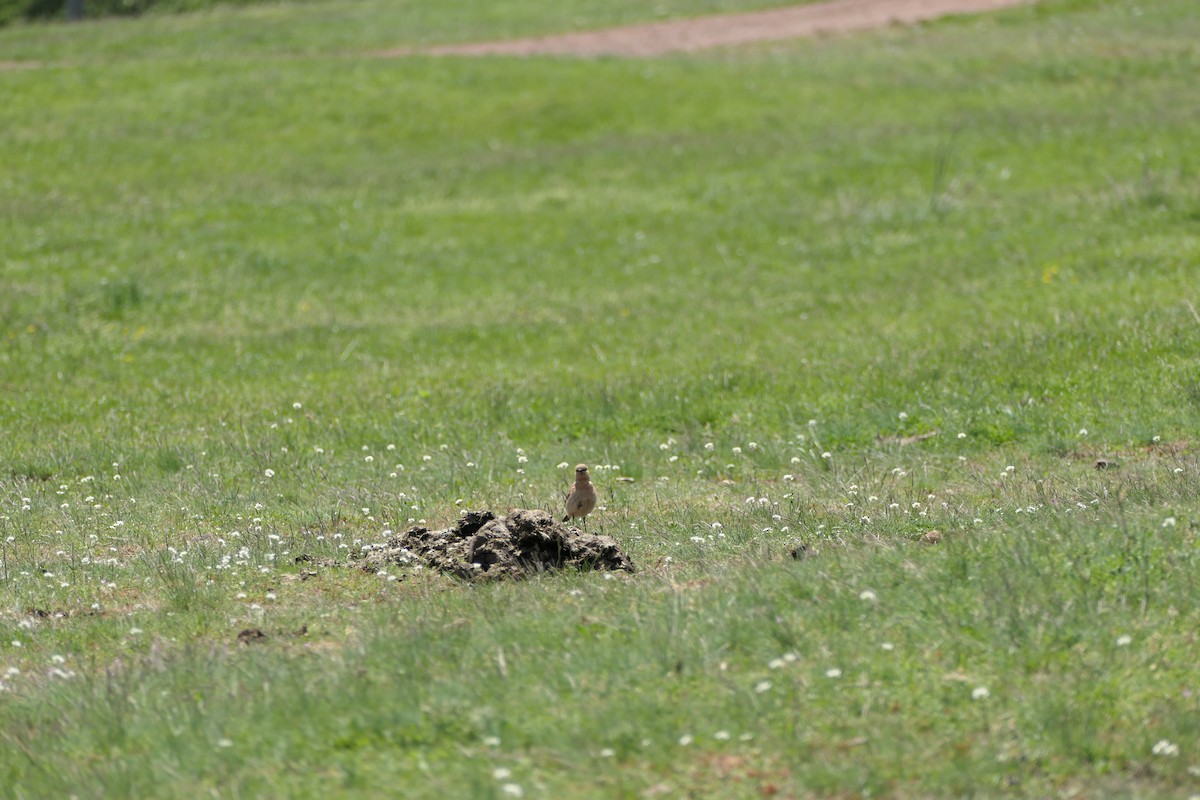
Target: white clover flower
pixel 887 646
pixel 827 454
pixel 762 686
pixel 1165 748
pixel 789 477
pixel 962 435
pixel 1124 641
pixel 722 736
pixel 563 465
pixel 1169 522
pixel 1083 431
pixel 491 741
pixel 903 415
pixel 224 743
pixel 500 773
pixel 297 406
pixel 776 663
pixel 270 473
pixel 607 752
pixel 737 451
pixel 868 595
pixel 709 446
pixel 833 672
pixel 685 740
pixel 753 445
pixel 980 693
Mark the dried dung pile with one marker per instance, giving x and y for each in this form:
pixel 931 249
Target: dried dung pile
pixel 483 546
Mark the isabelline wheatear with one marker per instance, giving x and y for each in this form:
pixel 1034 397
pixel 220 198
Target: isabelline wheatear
pixel 581 500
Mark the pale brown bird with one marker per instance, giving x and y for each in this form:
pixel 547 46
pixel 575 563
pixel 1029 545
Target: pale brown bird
pixel 581 500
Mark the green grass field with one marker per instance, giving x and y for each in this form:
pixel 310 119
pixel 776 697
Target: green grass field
pixel 261 297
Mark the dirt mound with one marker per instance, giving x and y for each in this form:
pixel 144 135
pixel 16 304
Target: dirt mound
pixel 483 546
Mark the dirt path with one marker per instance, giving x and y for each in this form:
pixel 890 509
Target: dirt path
pixel 688 35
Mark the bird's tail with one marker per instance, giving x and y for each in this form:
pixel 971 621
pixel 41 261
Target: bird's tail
pixel 567 517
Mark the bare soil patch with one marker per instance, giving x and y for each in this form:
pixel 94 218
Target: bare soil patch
pixel 726 30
